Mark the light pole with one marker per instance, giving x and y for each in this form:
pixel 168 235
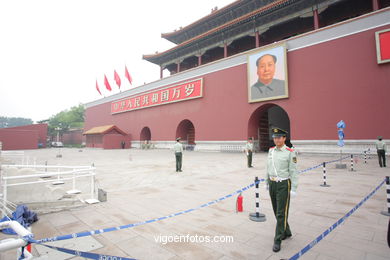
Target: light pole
pixel 58 129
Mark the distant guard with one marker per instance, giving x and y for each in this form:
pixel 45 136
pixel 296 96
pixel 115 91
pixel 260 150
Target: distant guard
pixel 178 148
pixel 249 151
pixel 282 181
pixel 381 149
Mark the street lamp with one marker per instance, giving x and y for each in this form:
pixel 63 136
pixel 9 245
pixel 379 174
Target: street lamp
pixel 58 129
pixel 58 133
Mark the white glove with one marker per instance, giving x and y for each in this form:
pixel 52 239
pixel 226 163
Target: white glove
pixel 293 193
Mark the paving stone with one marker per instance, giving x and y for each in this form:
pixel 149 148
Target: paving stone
pixel 148 187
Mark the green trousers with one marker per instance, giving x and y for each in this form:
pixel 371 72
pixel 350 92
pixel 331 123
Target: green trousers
pixel 178 161
pixel 280 198
pixel 382 158
pixel 249 156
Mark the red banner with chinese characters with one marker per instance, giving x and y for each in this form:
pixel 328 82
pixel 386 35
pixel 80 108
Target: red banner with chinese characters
pixel 383 46
pixel 180 92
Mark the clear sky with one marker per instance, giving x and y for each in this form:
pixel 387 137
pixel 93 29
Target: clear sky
pixel 52 52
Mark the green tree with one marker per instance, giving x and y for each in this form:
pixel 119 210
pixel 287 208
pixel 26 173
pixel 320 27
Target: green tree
pixel 14 121
pixel 72 118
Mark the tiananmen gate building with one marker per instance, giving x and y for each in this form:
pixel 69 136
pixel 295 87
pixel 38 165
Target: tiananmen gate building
pixel 329 62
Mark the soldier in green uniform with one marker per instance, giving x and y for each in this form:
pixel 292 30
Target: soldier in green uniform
pixel 282 182
pixel 178 148
pixel 381 149
pixel 249 151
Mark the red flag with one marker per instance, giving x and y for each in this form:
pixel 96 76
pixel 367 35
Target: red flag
pixel 117 79
pixel 108 87
pixel 127 74
pixel 97 88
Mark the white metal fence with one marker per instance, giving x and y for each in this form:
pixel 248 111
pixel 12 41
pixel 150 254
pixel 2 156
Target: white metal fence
pixel 13 176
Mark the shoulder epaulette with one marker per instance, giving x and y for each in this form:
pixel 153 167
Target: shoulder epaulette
pixel 289 149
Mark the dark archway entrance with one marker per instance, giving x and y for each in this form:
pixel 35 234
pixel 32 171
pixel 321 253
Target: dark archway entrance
pixel 145 134
pixel 186 131
pixel 261 122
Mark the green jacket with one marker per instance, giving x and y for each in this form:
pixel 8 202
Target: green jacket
pixel 249 146
pixel 283 163
pixel 381 145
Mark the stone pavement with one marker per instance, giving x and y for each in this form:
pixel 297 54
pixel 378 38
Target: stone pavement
pixel 143 184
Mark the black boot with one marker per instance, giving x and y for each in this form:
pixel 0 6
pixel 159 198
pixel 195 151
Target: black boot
pixel 276 247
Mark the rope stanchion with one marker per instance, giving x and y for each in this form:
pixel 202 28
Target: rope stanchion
pixel 100 231
pixel 351 163
pixel 365 157
pixel 324 175
pixel 258 217
pixel 387 213
pixel 334 226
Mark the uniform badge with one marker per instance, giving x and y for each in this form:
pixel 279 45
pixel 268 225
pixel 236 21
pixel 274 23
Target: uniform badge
pixel 294 159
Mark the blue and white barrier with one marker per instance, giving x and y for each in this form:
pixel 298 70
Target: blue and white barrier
pixel 335 225
pixel 31 239
pixel 100 231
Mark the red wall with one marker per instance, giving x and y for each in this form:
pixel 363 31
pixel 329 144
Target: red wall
pixel 330 81
pixel 94 141
pixel 19 139
pixel 23 137
pixel 113 141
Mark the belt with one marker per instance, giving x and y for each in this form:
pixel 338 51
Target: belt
pixel 278 179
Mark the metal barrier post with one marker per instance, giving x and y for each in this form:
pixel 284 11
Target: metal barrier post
pixel 4 197
pixel 387 213
pixel 365 156
pixel 258 217
pixel 324 175
pixel 73 190
pixel 352 163
pixel 92 185
pixel 58 181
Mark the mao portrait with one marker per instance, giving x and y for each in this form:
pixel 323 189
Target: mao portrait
pixel 267 74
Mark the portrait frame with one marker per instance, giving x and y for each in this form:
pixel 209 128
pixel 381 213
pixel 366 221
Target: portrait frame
pixel 280 76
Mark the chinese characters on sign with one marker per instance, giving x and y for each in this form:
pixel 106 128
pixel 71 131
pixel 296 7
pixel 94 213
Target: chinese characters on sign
pixel 176 93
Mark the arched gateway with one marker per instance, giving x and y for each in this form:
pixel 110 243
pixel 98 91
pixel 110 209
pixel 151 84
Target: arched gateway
pixel 186 131
pixel 145 134
pixel 261 122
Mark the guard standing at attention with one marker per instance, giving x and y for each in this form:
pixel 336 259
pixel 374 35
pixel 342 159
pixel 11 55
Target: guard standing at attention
pixel 178 148
pixel 249 151
pixel 282 182
pixel 381 149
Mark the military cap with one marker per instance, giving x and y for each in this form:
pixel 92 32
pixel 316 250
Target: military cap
pixel 278 132
pixel 250 138
pixel 178 139
pixel 379 137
